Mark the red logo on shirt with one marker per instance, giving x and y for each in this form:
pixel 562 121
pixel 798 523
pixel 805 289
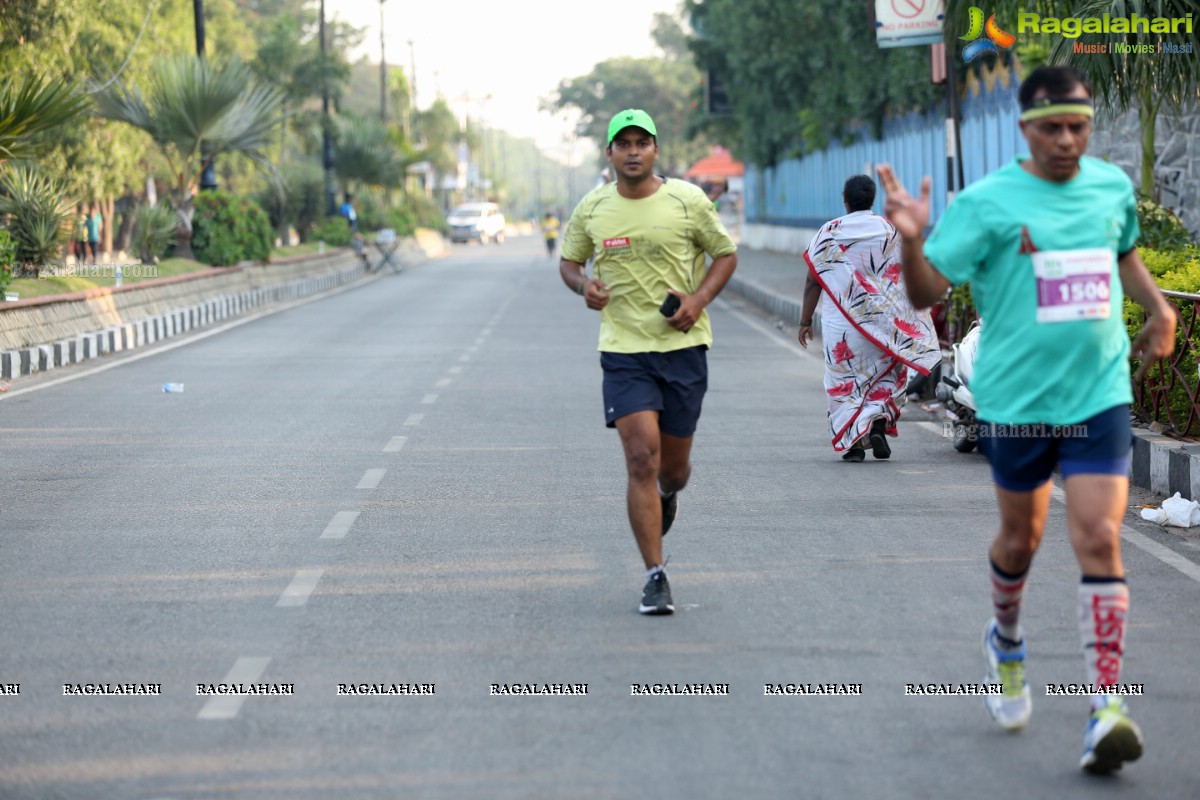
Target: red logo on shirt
pixel 621 242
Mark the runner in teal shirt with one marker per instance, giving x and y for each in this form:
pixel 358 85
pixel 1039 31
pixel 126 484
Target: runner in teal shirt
pixel 1052 350
pixel 1047 244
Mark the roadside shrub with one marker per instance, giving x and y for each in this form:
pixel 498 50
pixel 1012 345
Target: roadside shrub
pixel 427 213
pixel 40 217
pixel 372 212
pixel 335 232
pixel 1177 271
pixel 154 230
pixel 1161 228
pixel 8 253
pixel 297 200
pixel 402 221
pixel 227 229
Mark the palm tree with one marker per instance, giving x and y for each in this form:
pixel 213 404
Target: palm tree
pixel 196 111
pixel 1123 81
pixel 31 109
pixel 1120 81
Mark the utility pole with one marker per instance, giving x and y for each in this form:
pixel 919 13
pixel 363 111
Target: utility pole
pixel 412 75
pixel 382 70
pixel 326 137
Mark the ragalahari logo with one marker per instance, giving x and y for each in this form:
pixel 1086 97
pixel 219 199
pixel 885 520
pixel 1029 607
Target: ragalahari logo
pixel 995 40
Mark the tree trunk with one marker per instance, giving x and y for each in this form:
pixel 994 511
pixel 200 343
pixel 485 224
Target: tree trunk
pixel 1149 115
pixel 125 232
pixel 183 235
pixel 106 210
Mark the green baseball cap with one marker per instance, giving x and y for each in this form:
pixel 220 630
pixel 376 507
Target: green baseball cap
pixel 631 118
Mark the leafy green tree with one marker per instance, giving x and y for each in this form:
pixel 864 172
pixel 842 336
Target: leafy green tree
pixel 436 132
pixel 195 111
pixel 664 86
pixel 802 73
pixel 366 153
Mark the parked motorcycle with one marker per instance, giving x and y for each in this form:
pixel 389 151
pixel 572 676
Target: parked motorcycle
pixel 954 391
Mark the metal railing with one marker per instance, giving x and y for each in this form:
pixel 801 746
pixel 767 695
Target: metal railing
pixel 1168 392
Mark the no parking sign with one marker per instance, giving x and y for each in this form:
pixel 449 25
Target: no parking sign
pixel 899 23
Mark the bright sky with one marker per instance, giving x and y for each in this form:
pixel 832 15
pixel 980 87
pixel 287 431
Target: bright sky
pixel 516 50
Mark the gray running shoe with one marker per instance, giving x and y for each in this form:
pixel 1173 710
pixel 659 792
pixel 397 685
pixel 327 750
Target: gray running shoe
pixel 656 597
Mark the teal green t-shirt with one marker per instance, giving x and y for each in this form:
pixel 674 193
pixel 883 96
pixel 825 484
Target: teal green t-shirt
pixel 642 248
pixel 1054 348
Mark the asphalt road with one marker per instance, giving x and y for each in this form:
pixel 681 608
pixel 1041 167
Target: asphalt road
pixel 409 482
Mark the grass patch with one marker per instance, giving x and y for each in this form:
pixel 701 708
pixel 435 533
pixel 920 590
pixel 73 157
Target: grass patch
pixel 305 249
pixel 131 272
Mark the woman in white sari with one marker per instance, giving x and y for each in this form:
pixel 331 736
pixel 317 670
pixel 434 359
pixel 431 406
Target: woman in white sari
pixel 871 332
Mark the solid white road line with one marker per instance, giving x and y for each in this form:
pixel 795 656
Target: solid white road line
pixel 245 670
pixel 395 444
pixel 1144 543
pixel 298 591
pixel 339 526
pixel 371 479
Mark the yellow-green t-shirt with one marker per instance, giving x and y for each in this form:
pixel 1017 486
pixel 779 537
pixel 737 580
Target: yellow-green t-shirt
pixel 642 248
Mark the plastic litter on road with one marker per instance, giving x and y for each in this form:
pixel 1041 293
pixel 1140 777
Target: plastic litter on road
pixel 1176 512
pixel 172 387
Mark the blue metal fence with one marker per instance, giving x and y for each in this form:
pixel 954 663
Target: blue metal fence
pixel 806 192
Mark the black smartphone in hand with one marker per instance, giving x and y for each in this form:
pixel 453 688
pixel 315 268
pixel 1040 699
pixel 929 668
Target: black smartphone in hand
pixel 669 306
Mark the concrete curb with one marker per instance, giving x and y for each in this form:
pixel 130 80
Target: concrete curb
pixel 130 335
pixel 148 330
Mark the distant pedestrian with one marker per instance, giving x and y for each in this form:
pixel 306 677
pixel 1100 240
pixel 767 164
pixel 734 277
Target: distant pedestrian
pixel 79 238
pixel 347 211
pixel 550 233
pixel 871 332
pixel 650 236
pixel 95 223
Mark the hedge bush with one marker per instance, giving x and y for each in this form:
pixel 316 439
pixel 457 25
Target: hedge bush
pixel 8 255
pixel 1161 228
pixel 228 229
pixel 334 232
pixel 1177 271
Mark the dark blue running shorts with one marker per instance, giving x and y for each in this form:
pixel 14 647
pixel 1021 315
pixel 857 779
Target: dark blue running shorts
pixel 671 383
pixel 1023 457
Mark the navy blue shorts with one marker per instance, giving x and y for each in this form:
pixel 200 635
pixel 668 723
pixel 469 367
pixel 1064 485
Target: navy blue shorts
pixel 1023 457
pixel 672 384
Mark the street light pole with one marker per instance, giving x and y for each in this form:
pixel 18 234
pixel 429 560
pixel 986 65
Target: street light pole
pixel 382 69
pixel 208 177
pixel 326 138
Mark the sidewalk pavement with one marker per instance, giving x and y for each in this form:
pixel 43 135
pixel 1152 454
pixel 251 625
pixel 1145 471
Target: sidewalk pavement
pixel 775 282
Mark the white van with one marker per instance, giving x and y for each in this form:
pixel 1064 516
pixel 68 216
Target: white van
pixel 481 222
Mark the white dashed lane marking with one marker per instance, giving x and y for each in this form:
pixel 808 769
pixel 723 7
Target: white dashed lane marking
pixel 429 399
pixel 414 419
pixel 340 525
pixel 395 444
pixel 298 591
pixel 245 670
pixel 371 479
pixel 443 383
